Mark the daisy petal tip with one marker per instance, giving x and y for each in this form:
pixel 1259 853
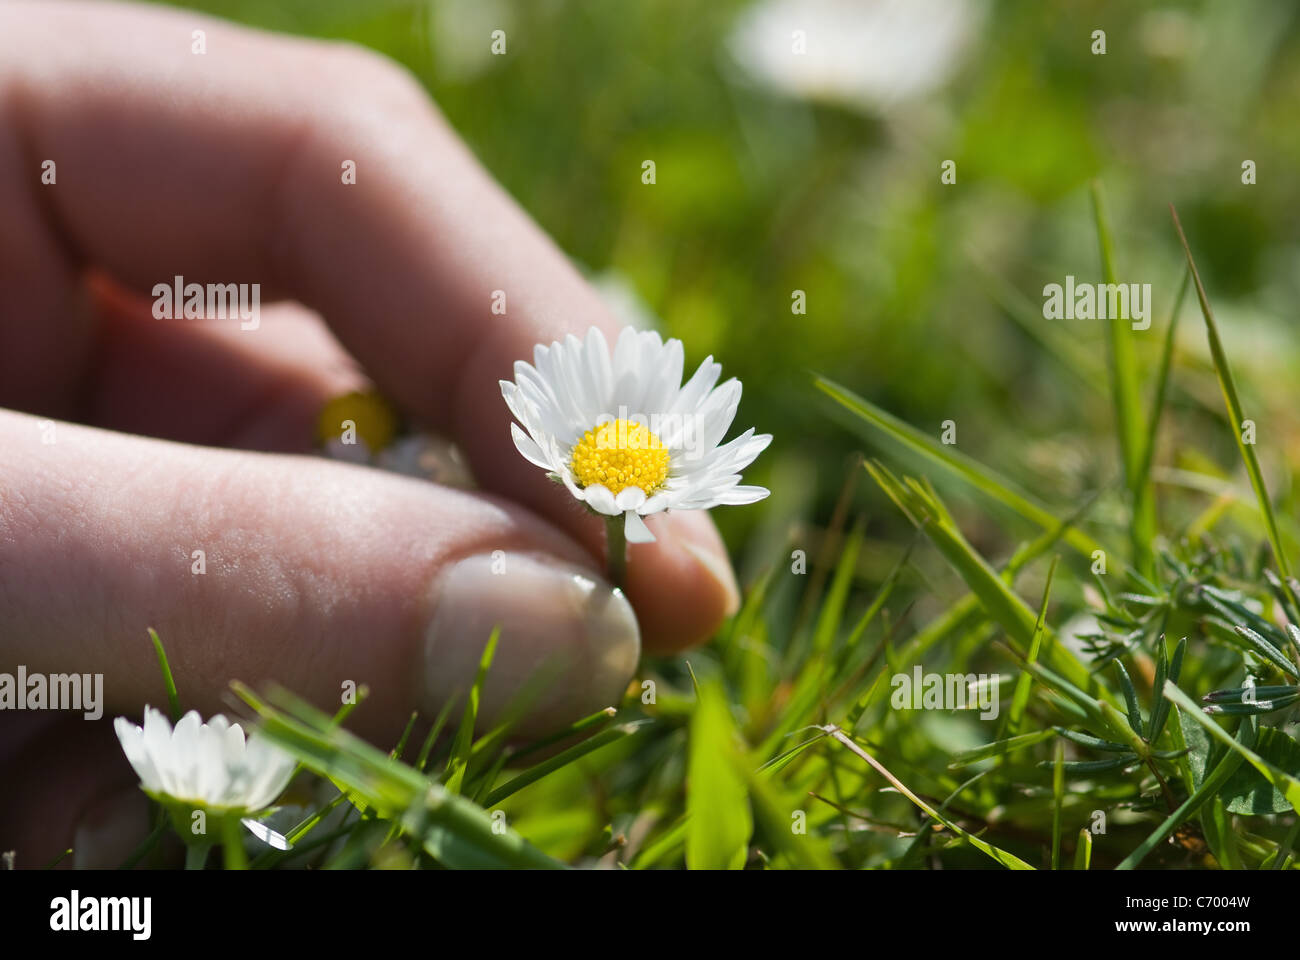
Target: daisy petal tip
pixel 635 529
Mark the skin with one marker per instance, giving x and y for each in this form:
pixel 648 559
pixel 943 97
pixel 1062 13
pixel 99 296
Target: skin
pixel 227 167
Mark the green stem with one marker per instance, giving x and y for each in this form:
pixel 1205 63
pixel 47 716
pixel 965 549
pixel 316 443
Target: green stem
pixel 616 547
pixel 196 855
pixel 232 844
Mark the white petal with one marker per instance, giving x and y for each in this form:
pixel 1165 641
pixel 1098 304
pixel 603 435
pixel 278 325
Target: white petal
pixel 629 374
pixel 528 448
pixel 132 739
pixel 694 391
pixel 716 414
pixel 546 410
pixel 269 771
pixel 731 457
pixel 157 729
pixel 578 377
pixel 599 370
pixel 600 499
pixel 562 371
pixel 169 758
pixel 737 496
pixel 211 775
pixel 566 475
pixel 665 381
pixel 524 410
pixel 654 505
pixel 635 530
pixel 630 498
pixel 232 746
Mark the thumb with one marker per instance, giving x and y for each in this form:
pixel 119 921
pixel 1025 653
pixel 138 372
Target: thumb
pixel 319 576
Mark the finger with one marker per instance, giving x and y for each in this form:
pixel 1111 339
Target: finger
pixel 322 577
pixel 207 383
pixel 248 142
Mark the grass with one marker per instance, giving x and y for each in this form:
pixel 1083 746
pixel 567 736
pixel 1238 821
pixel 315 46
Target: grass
pixel 1151 735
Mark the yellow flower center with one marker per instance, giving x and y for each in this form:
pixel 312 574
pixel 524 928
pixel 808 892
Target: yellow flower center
pixel 370 416
pixel 619 454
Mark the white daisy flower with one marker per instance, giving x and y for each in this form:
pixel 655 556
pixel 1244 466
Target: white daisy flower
pixel 209 765
pixel 624 434
pixel 870 55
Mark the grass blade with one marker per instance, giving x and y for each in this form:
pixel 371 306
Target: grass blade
pixel 1009 860
pixel 1233 402
pixel 459 759
pixel 1083 851
pixel 972 472
pixel 832 610
pixel 998 748
pixel 453 830
pixel 1058 799
pixel 562 759
pixel 1124 395
pixel 999 600
pixel 1143 478
pixel 717 802
pixel 169 682
pixel 1020 699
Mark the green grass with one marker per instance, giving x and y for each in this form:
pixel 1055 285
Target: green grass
pixel 778 744
pixel 973 558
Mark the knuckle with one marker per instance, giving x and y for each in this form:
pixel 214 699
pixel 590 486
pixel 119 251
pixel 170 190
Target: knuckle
pixel 364 84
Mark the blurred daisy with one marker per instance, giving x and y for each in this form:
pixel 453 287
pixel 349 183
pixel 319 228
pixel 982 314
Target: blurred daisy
pixel 205 765
pixel 363 427
pixel 356 426
pixel 867 54
pixel 623 433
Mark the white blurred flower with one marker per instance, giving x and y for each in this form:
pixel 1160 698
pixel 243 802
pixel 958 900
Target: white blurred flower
pixel 867 54
pixel 460 35
pixel 358 452
pixel 623 433
pixel 209 765
pixel 427 457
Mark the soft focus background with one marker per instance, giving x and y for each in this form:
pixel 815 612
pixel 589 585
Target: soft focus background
pixel 821 172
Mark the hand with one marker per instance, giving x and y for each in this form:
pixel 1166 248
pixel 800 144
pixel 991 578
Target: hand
pixel 175 435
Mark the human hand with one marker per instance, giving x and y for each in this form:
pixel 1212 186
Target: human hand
pixel 176 435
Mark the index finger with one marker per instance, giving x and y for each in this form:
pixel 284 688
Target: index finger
pixel 230 165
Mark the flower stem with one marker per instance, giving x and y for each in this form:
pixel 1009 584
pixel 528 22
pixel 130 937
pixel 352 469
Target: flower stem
pixel 616 549
pixel 232 844
pixel 196 855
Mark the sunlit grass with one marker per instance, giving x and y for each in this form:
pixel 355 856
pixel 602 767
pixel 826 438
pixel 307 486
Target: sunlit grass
pixel 777 746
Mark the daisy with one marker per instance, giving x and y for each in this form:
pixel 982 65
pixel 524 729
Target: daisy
pixel 869 55
pixel 204 765
pixel 356 426
pixel 625 435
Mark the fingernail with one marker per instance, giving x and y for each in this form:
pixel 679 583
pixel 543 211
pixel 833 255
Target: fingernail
pixel 694 532
pixel 569 640
pixel 111 829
